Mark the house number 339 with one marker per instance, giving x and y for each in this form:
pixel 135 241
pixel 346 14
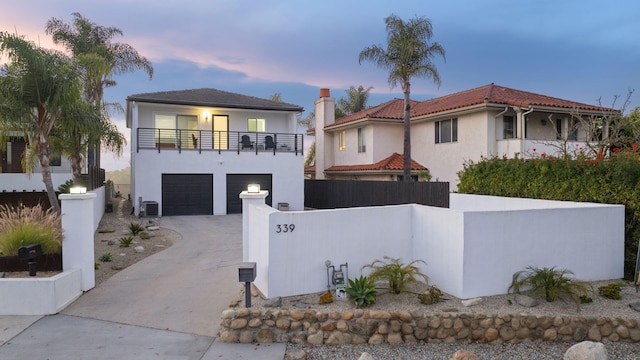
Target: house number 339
pixel 283 228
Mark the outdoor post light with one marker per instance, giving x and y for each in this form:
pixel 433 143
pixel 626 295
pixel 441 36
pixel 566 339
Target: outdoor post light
pixel 253 188
pixel 78 190
pixel 247 274
pixel 30 252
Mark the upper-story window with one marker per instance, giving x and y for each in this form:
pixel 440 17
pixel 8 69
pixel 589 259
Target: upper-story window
pixel 446 131
pixel 341 141
pixel 175 130
pixel 362 145
pixel 256 125
pixel 509 127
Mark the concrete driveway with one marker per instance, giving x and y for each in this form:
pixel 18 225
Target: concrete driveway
pixel 184 288
pixel 166 306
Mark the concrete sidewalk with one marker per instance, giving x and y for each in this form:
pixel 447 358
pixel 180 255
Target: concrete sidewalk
pixel 166 306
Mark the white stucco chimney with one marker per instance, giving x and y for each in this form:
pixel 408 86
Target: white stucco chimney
pixel 325 112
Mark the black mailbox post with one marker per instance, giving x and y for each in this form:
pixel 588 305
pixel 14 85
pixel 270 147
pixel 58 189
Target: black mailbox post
pixel 247 274
pixel 31 253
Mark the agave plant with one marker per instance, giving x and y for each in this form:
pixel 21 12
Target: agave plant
pixel 396 273
pixel 551 283
pixel 361 291
pixel 135 229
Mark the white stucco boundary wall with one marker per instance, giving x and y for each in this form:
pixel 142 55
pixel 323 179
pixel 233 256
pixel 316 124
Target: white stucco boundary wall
pixel 471 249
pixel 44 296
pixel 24 182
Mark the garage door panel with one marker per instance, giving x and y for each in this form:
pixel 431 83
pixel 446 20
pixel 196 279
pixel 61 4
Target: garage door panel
pixel 236 183
pixel 187 194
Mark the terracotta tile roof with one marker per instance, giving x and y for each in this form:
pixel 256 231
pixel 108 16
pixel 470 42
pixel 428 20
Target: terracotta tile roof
pixel 494 94
pixel 392 163
pixel 213 98
pixel 310 169
pixel 393 109
pixel 488 94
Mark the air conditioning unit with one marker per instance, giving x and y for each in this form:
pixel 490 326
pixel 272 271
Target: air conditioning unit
pixel 149 208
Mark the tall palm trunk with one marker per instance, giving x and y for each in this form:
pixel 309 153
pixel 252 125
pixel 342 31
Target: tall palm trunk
pixel 406 163
pixel 43 149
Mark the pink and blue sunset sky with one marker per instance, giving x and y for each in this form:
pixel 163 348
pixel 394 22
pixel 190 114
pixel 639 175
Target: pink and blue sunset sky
pixel 580 50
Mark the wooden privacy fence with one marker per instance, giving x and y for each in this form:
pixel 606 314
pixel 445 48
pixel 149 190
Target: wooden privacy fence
pixel 331 194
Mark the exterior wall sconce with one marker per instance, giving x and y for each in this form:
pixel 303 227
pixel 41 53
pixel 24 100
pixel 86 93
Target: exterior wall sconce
pixel 253 188
pixel 206 116
pixel 78 190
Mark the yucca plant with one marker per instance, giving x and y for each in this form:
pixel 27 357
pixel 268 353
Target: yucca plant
pixel 135 229
pixel 22 225
pixel 396 273
pixel 550 282
pixel 126 241
pixel 362 291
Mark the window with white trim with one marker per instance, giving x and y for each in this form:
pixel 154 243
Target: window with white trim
pixel 446 131
pixel 362 145
pixel 509 128
pixel 341 142
pixel 256 125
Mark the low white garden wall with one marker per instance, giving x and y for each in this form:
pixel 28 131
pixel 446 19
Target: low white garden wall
pixel 43 296
pixel 40 296
pixel 471 249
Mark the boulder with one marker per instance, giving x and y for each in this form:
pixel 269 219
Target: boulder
pixel 464 355
pixel 472 302
pixel 275 302
pixel 635 305
pixel 526 301
pixel 586 350
pixel 365 356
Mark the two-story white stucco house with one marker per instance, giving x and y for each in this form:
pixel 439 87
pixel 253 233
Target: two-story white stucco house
pixel 194 151
pixel 445 132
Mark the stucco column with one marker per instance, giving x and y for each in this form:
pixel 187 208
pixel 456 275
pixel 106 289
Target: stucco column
pixel 248 199
pixel 78 243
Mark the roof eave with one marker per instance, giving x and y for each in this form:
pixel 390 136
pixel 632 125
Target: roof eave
pixel 206 104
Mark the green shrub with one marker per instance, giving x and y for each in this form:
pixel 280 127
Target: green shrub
pixel 126 241
pixel 585 299
pixel 362 291
pixel 549 283
pixel 106 257
pixel 611 180
pixel 144 236
pixel 135 229
pixel 21 225
pixel 431 296
pixel 395 273
pixel 96 265
pixel 611 291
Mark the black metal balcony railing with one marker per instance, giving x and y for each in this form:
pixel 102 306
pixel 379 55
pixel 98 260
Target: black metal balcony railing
pixel 204 140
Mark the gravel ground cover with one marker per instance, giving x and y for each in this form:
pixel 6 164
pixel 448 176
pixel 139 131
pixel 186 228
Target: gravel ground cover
pixel 502 304
pixel 113 227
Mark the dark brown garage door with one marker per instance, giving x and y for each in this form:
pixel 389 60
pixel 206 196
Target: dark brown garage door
pixel 187 194
pixel 236 183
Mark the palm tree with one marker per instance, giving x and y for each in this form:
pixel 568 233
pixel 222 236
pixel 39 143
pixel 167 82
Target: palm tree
pixel 409 53
pixel 36 88
pixel 100 59
pixel 356 100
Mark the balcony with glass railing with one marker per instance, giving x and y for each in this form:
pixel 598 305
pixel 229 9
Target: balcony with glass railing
pixel 204 140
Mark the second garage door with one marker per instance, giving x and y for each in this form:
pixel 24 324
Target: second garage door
pixel 187 194
pixel 236 183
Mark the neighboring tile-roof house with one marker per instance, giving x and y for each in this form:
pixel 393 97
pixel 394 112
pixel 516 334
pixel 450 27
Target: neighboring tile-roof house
pixel 392 163
pixel 489 94
pixel 498 95
pixel 212 98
